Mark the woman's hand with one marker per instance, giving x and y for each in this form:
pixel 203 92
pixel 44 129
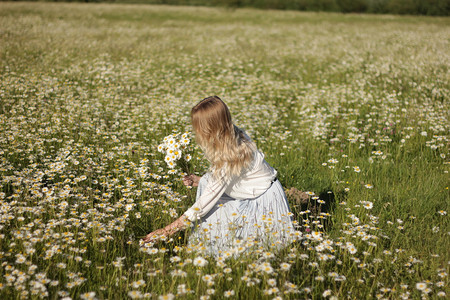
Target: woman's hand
pixel 175 226
pixel 153 236
pixel 191 180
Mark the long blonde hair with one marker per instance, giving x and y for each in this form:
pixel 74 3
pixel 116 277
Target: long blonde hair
pixel 225 145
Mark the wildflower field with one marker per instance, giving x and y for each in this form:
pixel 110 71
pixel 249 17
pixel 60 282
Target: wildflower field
pixel 352 110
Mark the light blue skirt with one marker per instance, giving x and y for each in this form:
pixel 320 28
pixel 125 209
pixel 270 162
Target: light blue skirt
pixel 238 226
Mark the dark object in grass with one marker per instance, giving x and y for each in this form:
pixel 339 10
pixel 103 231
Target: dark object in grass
pixel 298 196
pixel 304 202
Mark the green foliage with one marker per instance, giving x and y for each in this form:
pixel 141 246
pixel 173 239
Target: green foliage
pixel 347 6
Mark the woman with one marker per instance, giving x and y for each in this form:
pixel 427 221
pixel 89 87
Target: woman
pixel 239 202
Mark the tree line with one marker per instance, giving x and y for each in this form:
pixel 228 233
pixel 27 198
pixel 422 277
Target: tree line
pixel 410 7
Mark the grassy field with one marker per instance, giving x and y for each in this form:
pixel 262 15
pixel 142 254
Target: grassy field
pixel 353 109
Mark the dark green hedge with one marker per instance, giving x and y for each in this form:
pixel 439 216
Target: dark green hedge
pixel 411 7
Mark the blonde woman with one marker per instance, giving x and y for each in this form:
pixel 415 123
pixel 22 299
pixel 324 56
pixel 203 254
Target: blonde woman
pixel 239 201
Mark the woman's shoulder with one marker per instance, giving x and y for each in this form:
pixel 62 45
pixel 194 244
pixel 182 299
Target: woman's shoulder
pixel 257 161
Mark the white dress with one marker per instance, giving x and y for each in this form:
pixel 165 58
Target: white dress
pixel 241 214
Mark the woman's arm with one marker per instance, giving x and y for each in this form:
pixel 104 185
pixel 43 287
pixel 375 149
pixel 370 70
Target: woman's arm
pixel 203 204
pixel 211 191
pixel 172 228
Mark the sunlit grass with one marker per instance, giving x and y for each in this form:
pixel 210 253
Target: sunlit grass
pixel 352 109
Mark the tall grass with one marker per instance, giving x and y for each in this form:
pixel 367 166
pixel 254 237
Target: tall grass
pixel 351 109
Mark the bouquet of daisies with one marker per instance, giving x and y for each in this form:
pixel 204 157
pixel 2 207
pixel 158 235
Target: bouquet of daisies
pixel 177 148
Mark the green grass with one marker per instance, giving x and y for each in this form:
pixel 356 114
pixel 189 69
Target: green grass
pixel 355 105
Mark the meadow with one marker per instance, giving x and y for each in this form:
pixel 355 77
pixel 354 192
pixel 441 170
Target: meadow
pixel 352 110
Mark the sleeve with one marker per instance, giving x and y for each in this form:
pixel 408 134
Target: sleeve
pixel 214 189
